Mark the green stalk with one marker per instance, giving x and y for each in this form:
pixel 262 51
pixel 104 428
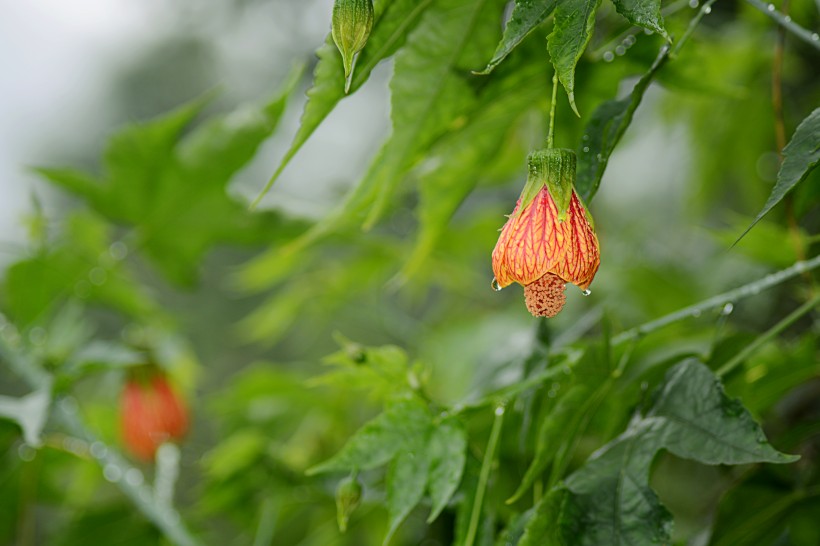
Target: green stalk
pixel 484 476
pixel 770 334
pixel 552 109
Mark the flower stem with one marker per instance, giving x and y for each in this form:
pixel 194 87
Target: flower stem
pixel 552 109
pixel 759 341
pixel 484 476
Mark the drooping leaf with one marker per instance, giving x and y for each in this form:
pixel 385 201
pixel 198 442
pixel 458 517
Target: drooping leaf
pixel 172 189
pixel 381 438
pixel 393 20
pixel 406 478
pixel 447 451
pixel 429 92
pixel 550 433
pixel 463 158
pixel 800 156
pixel 526 16
pixel 604 130
pixel 574 23
pixel 643 13
pixel 610 499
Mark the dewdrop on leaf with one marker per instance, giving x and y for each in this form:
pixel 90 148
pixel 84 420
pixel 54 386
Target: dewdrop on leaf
pixel 352 22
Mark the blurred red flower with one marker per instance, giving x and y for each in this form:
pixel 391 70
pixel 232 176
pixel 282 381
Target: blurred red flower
pixel 152 413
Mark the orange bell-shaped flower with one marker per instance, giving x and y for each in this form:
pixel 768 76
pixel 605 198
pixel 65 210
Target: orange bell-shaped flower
pixel 548 239
pixel 152 413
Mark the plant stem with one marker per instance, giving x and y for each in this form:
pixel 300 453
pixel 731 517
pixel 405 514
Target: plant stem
pixel 126 477
pixel 785 21
pixel 550 133
pixel 720 300
pixel 704 9
pixel 775 330
pixel 484 476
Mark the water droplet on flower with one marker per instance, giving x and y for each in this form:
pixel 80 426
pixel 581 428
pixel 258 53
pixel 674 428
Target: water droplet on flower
pixel 815 36
pixel 770 7
pixel 587 292
pixel 693 3
pixel 727 309
pixel 707 10
pixel 696 314
pixel 499 411
pixel 787 19
pixel 620 50
pixel 495 285
pixel 608 56
pixel 648 32
pixel 585 138
pixel 586 149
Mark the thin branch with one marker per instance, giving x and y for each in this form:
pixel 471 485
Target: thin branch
pixel 811 38
pixel 720 300
pixel 484 476
pixel 770 334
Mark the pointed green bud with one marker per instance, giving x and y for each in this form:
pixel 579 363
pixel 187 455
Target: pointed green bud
pixel 352 22
pixel 348 495
pixel 555 169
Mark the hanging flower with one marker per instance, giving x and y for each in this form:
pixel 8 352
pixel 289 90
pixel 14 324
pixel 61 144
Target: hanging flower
pixel 151 412
pixel 549 239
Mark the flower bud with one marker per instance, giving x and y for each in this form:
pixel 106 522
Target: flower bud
pixel 352 22
pixel 151 413
pixel 549 239
pixel 348 495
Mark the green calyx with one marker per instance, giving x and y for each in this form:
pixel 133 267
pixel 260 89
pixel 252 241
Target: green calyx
pixel 348 495
pixel 351 25
pixel 555 169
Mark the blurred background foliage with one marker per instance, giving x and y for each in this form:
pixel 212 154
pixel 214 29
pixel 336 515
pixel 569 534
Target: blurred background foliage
pixel 289 327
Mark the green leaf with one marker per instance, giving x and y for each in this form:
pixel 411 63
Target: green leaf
pixel 574 23
pixel 406 478
pixel 643 13
pixel 447 451
pixel 464 157
pixel 605 129
pixel 79 265
pixel 611 501
pixel 800 157
pixel 30 412
pixel 172 189
pixel 550 517
pixel 381 438
pixel 428 94
pixel 393 20
pixel 526 15
pixel 550 435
